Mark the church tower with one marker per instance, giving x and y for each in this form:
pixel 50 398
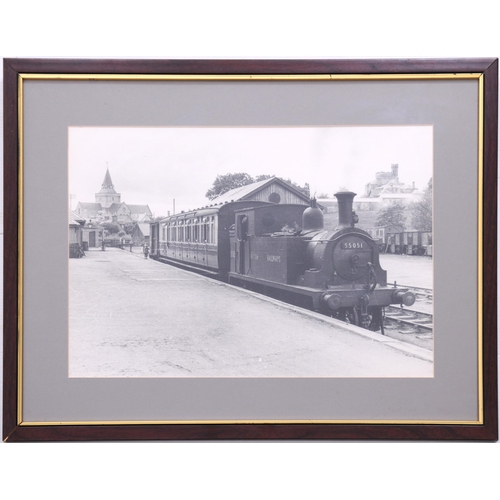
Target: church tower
pixel 107 195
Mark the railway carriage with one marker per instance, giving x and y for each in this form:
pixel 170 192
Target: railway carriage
pixel 197 238
pixel 394 239
pixel 415 243
pixel 385 236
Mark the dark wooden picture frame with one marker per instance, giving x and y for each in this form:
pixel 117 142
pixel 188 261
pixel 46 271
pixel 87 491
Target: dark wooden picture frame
pixel 13 428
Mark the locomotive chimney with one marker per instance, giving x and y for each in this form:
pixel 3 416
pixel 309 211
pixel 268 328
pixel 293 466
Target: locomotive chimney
pixel 344 199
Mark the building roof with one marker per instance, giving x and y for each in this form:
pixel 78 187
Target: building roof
pixel 90 207
pixel 245 192
pixel 114 207
pixel 400 195
pixel 75 220
pixel 139 209
pixel 328 202
pixel 144 228
pixel 134 209
pixel 364 199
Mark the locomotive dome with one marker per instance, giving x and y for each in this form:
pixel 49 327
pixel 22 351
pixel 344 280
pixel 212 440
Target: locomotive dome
pixel 312 218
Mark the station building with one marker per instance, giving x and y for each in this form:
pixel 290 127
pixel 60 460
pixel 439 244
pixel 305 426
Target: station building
pixel 76 224
pixel 274 190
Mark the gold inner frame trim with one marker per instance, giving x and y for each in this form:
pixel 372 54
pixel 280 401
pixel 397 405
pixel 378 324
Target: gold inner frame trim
pixel 20 257
pixel 480 181
pixel 261 422
pixel 277 77
pixel 205 77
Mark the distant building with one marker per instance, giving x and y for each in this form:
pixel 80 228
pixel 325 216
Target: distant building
pixel 387 190
pixel 140 234
pixel 76 224
pixel 108 207
pixel 92 236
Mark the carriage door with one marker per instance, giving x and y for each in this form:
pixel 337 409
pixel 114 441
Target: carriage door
pixel 241 236
pixel 154 229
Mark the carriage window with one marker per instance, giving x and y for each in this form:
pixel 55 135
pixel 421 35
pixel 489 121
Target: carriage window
pixel 211 236
pixel 204 230
pixel 196 230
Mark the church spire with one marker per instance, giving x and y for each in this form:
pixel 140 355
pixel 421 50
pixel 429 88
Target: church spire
pixel 107 195
pixel 107 183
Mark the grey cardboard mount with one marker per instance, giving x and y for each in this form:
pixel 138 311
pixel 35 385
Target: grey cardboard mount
pixel 50 107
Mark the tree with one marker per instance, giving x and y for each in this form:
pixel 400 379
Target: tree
pixel 422 211
pixel 129 227
pixel 392 216
pixel 226 182
pixel 303 189
pixel 111 227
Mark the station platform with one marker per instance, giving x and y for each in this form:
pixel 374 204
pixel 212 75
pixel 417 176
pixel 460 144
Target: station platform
pixel 136 317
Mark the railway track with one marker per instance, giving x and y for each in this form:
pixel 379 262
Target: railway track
pixel 417 320
pixel 419 316
pixel 414 324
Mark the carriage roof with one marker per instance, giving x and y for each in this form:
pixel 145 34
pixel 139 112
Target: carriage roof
pixel 212 210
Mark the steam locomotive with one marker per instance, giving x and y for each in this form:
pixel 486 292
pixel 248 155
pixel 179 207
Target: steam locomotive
pixel 283 250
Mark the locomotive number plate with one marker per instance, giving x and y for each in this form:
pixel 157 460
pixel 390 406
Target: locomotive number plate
pixel 351 245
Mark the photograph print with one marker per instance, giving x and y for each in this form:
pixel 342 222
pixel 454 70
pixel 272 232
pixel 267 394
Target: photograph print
pixel 251 251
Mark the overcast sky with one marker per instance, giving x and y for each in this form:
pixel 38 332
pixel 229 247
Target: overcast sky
pixel 154 166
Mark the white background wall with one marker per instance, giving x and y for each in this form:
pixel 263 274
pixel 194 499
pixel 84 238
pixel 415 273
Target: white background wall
pixel 261 30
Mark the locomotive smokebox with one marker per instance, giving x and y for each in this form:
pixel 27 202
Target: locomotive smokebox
pixel 344 199
pixel 312 218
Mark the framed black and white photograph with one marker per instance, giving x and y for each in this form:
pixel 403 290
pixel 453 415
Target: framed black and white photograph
pixel 250 249
pixel 186 174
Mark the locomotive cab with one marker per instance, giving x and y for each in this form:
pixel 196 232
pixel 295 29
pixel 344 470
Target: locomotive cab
pixel 263 245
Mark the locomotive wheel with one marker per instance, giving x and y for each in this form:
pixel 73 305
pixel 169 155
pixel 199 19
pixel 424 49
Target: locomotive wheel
pixel 376 322
pixel 354 317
